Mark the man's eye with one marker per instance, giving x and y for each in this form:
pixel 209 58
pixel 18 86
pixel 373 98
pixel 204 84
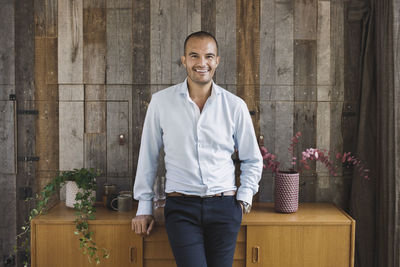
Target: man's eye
pixel 194 56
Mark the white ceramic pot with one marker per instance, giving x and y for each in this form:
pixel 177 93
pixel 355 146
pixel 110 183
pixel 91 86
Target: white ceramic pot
pixel 71 191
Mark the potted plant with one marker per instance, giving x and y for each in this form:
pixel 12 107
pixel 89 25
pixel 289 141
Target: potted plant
pixel 84 199
pixel 286 189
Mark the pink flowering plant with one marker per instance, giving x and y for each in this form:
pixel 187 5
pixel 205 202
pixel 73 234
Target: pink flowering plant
pixel 313 154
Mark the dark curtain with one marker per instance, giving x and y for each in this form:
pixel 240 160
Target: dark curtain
pixel 373 201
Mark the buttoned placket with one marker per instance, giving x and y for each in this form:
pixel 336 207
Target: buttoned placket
pixel 197 122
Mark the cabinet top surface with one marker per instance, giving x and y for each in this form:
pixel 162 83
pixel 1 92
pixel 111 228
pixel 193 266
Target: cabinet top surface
pixel 261 214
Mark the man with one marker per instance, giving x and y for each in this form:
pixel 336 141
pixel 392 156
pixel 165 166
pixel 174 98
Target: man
pixel 200 125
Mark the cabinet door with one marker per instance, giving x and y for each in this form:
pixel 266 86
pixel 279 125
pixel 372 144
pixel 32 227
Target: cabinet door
pixel 298 246
pixel 57 245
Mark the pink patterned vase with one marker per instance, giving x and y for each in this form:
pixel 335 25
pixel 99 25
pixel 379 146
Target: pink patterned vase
pixel 286 191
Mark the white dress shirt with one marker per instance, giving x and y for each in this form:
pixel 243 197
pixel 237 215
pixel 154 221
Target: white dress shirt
pixel 198 146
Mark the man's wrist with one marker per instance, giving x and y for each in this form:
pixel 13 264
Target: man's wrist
pixel 246 206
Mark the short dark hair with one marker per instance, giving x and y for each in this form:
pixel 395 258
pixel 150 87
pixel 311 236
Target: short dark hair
pixel 199 34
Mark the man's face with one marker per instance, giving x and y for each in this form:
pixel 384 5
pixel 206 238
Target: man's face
pixel 200 59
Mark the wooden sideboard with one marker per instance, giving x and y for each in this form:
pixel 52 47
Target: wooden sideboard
pixel 317 235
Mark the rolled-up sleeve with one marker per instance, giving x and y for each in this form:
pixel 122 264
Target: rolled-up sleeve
pixel 249 154
pixel 148 159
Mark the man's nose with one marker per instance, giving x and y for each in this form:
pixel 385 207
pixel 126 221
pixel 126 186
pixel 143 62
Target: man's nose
pixel 202 61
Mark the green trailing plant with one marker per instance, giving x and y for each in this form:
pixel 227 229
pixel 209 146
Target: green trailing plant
pixel 84 211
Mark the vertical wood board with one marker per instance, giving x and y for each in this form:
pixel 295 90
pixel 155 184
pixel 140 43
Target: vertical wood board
pixel 305 116
pixel 7 137
pixel 51 18
pixel 305 62
pixel 226 37
pixel 70 42
pixel 305 19
pixel 119 44
pixel 71 126
pixel 160 42
pixel 248 56
pixel 47 134
pixel 141 42
pixel 324 44
pixel 117 155
pixel 323 131
pixel 119 121
pixel 95 109
pixel 267 41
pixel 94 41
pixel 7 52
pixel 284 43
pixel 194 16
pixel 96 151
pixel 283 132
pixel 208 10
pixel 179 21
pixel 337 49
pixel 40 18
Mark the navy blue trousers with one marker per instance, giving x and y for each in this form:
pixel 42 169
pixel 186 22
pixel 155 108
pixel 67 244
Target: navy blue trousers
pixel 203 231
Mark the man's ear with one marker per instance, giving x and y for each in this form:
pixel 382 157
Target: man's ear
pixel 183 59
pixel 218 60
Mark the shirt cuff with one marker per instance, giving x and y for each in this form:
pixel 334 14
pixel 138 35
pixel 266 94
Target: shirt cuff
pixel 145 207
pixel 245 194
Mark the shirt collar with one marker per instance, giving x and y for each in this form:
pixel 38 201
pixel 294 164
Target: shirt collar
pixel 184 90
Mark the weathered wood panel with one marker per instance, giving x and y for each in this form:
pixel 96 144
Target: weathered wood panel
pixel 117 154
pixel 119 42
pixel 51 18
pixel 70 42
pixel 141 68
pixel 324 44
pixel 179 21
pixel 96 151
pixel 95 109
pixel 141 42
pixel 119 110
pixel 26 128
pixel 305 68
pixel 226 37
pixel 160 44
pixel 267 129
pixel 396 72
pixel 194 16
pixel 305 19
pixel 7 54
pixel 208 10
pixel 283 132
pixel 248 56
pixel 323 133
pixel 47 134
pixel 337 49
pixel 7 137
pixel 40 18
pixel 276 93
pixel 45 69
pixel 5 91
pixel 71 126
pixel 8 205
pixel 305 116
pixel 94 41
pixel 267 41
pixel 284 43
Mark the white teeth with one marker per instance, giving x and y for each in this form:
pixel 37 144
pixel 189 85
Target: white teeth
pixel 202 71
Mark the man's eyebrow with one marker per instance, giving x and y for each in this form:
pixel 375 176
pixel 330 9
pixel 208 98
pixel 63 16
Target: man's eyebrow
pixel 192 53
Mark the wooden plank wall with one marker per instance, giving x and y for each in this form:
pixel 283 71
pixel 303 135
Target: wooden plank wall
pixel 96 64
